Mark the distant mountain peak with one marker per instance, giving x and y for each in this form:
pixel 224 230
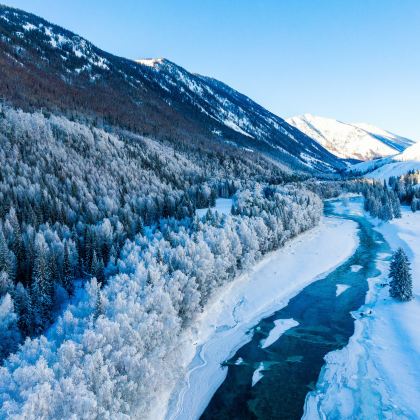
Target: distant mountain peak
pixel 359 141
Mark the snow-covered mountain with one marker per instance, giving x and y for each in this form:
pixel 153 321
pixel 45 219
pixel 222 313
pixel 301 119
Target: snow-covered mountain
pixel 44 65
pixel 384 168
pixel 350 141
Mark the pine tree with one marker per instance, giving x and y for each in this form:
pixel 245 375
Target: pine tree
pixel 6 257
pixel 9 332
pixel 42 285
pixel 6 285
pixel 98 303
pixel 98 268
pixel 401 286
pixel 67 272
pixel 23 305
pixel 17 244
pixel 140 227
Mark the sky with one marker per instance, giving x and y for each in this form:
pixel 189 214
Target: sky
pixel 353 60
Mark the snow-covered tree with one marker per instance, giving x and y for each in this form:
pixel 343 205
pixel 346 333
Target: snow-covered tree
pixel 67 271
pixel 42 285
pixel 9 331
pixel 401 286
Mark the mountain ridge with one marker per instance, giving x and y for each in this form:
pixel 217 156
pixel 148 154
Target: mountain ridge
pixel 46 66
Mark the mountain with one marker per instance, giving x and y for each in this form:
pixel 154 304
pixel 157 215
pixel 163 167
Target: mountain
pixel 350 141
pixel 400 164
pixel 46 66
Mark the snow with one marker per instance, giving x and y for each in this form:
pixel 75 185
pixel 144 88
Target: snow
pixel 410 154
pixel 280 327
pixel 356 141
pixel 341 288
pixel 402 141
pixel 397 165
pixel 225 324
pixel 223 206
pixel 239 361
pixel 29 27
pixel 235 127
pixel 377 374
pixel 393 169
pixel 150 62
pixel 257 375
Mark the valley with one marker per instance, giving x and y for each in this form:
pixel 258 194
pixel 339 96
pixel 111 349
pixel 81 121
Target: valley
pixel 171 248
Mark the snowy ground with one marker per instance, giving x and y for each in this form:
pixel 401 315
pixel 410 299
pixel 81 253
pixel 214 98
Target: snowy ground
pixel 394 169
pixel 378 374
pixel 223 206
pixel 224 325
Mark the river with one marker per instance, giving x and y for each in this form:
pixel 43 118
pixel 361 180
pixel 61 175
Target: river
pixel 269 377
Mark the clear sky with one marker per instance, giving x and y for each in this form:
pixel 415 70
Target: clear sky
pixel 354 60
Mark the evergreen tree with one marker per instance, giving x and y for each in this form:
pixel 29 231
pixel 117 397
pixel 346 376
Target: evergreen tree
pixel 9 332
pixel 42 285
pixel 98 303
pixel 401 286
pixel 6 285
pixel 140 227
pixel 23 306
pixel 6 257
pixel 98 269
pixel 415 204
pixel 67 272
pixel 17 244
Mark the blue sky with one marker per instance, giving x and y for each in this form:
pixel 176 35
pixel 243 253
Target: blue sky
pixel 354 60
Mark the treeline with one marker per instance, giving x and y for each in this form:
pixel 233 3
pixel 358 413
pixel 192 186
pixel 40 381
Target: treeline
pixel 72 194
pixel 115 350
pixel 407 188
pixel 379 200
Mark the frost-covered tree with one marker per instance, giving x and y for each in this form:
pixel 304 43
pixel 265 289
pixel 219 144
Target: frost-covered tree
pixel 67 272
pixel 6 285
pixel 9 331
pixel 401 286
pixel 23 307
pixel 7 262
pixel 97 269
pixel 42 286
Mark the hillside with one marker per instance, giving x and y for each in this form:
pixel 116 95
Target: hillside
pixel 350 141
pixel 46 66
pixel 400 164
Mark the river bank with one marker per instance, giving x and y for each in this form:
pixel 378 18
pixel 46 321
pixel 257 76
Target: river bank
pixel 224 325
pixel 377 374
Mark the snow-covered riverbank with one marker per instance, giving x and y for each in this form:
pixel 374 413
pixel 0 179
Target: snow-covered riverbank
pixel 378 374
pixel 223 326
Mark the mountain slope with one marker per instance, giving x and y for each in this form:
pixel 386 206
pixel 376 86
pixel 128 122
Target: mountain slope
pixel 350 141
pixel 401 164
pixel 46 66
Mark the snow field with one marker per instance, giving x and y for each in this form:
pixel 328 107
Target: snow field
pixel 223 206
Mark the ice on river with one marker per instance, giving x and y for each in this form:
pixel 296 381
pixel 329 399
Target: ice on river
pixel 244 302
pixel 377 375
pixel 257 375
pixel 355 268
pixel 280 327
pixel 341 288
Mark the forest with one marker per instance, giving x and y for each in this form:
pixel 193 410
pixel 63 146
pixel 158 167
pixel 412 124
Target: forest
pixel 104 264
